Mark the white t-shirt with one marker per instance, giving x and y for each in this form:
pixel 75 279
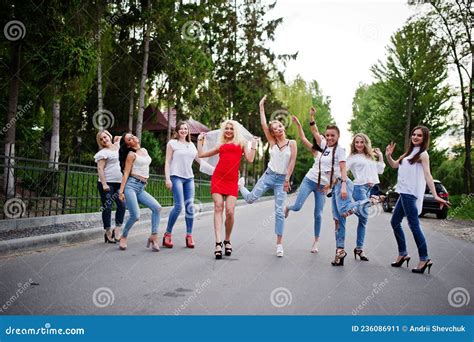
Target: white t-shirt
pixel 411 179
pixel 364 169
pixel 326 163
pixel 182 160
pixel 112 166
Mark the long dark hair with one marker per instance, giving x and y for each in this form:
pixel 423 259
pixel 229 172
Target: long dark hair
pixel 123 151
pixel 423 147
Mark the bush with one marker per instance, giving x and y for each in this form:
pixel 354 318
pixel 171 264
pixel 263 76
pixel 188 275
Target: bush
pixel 462 207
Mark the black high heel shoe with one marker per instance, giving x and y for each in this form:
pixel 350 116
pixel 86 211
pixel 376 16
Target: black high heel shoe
pixel 107 240
pixel 339 258
pixel 400 262
pixel 218 253
pixel 360 253
pixel 427 264
pixel 228 250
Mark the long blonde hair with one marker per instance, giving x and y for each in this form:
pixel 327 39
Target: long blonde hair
pixel 238 138
pixel 368 151
pixel 97 138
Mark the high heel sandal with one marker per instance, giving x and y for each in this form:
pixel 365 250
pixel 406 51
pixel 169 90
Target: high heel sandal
pixel 228 250
pixel 339 258
pixel 360 253
pixel 154 244
pixel 107 239
pixel 315 247
pixel 218 252
pixel 116 235
pixel 427 264
pixel 167 241
pixel 400 262
pixel 189 241
pixel 122 244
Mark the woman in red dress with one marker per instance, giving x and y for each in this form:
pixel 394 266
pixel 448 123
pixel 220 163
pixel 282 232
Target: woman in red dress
pixel 224 188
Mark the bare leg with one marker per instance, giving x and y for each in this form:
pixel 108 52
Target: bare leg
pixel 218 211
pixel 229 216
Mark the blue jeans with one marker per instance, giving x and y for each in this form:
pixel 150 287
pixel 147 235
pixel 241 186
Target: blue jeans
pixel 183 196
pixel 107 198
pixel 135 193
pixel 360 193
pixel 341 206
pixel 308 186
pixel 406 206
pixel 275 181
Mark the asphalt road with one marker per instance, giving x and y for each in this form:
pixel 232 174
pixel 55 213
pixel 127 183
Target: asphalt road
pixel 94 278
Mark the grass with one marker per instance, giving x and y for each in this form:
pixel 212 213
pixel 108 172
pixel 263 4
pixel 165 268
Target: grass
pixel 462 207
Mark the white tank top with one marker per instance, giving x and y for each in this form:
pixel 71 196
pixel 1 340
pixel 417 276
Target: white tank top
pixel 141 165
pixel 279 159
pixel 411 179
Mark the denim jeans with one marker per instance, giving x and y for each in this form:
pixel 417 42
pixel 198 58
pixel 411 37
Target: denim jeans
pixel 275 181
pixel 360 193
pixel 183 196
pixel 406 206
pixel 108 198
pixel 135 193
pixel 308 186
pixel 341 206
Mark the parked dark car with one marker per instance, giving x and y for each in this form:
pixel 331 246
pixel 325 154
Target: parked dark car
pixel 429 204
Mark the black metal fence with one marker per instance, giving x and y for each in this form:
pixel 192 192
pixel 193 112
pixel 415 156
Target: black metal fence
pixel 45 188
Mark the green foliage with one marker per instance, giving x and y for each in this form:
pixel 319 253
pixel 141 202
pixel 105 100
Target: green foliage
pixel 462 207
pixel 155 150
pixel 297 98
pixel 409 90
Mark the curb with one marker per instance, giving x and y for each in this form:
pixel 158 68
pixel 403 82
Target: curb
pixel 15 246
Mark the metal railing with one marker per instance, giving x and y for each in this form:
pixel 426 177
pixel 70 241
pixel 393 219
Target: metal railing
pixel 45 188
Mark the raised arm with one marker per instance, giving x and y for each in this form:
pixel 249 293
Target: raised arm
pixel 314 127
pixel 388 153
pixel 380 163
pixel 263 122
pixel 301 134
pixel 250 153
pixel 291 166
pixel 425 162
pixel 169 156
pixel 126 173
pixel 200 144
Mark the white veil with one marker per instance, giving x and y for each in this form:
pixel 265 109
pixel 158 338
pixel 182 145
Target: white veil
pixel 211 140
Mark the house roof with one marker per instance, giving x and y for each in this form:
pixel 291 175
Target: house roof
pixel 156 121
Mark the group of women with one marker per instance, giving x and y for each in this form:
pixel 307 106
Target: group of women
pixel 123 167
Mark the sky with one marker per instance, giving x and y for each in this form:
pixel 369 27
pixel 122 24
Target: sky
pixel 337 43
